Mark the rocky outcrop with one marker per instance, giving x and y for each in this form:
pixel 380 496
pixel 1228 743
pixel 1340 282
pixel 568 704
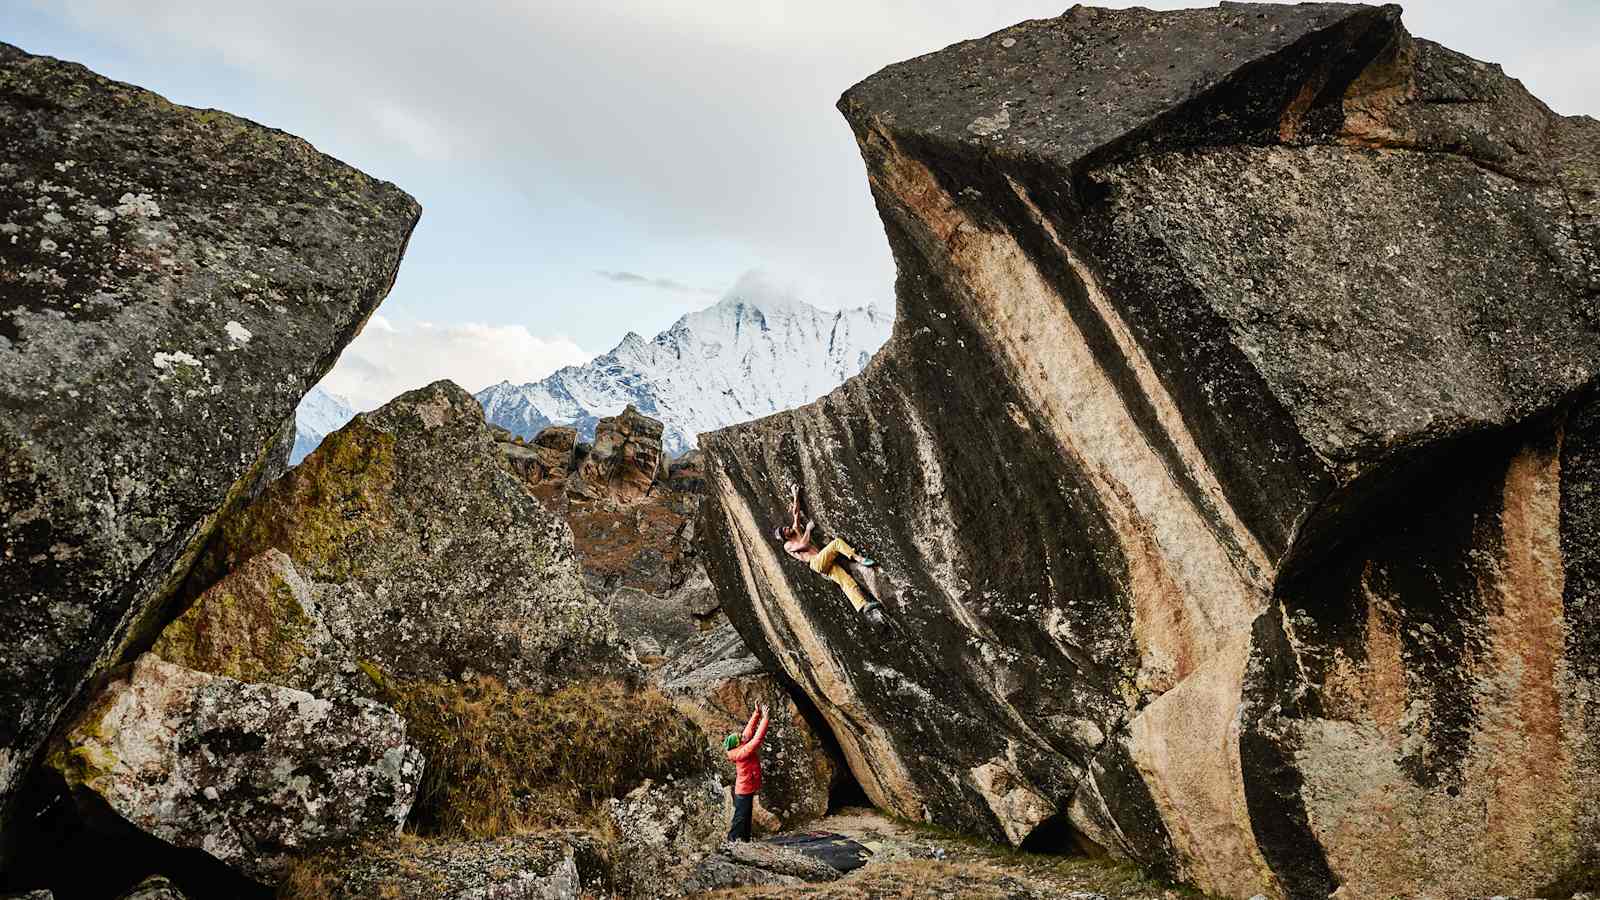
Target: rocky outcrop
pixel 717 682
pixel 548 457
pixel 664 829
pixel 251 773
pixel 427 558
pixel 1230 451
pixel 551 866
pixel 173 280
pixel 634 533
pixel 688 472
pixel 625 460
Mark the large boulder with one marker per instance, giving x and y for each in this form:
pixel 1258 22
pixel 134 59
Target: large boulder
pixel 253 774
pixel 1226 450
pixel 172 281
pixel 432 560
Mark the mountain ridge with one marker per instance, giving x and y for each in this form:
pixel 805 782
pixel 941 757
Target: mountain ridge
pixel 759 350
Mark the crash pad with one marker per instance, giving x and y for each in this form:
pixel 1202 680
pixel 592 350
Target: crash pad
pixel 836 850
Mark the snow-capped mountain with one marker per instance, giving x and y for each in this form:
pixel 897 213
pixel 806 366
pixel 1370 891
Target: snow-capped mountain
pixel 319 414
pixel 760 350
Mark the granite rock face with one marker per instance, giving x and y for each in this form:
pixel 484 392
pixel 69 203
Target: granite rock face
pixel 1230 451
pixel 262 623
pixel 251 773
pixel 429 558
pixel 663 831
pixel 172 281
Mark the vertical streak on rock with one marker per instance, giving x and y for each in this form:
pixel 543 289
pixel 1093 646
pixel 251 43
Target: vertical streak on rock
pixel 1529 772
pixel 1186 746
pixel 1155 393
pixel 1413 755
pixel 1580 553
pixel 1187 591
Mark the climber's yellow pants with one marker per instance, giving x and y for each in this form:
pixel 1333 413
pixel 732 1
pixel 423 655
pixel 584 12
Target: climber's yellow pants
pixel 827 565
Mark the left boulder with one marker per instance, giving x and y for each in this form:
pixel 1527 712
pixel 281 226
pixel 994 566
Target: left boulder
pixel 172 281
pixel 253 774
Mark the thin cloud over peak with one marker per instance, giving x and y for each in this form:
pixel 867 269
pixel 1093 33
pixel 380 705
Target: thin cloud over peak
pixel 659 283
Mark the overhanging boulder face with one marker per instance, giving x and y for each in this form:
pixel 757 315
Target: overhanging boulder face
pixel 1229 450
pixel 172 281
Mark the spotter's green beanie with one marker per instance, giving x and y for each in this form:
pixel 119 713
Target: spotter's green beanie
pixel 730 742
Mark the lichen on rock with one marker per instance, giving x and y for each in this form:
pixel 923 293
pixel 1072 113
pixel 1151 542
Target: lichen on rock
pixel 139 242
pixel 433 560
pixel 252 774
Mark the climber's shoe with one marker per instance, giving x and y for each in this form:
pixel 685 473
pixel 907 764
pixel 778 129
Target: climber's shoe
pixel 873 613
pixel 867 561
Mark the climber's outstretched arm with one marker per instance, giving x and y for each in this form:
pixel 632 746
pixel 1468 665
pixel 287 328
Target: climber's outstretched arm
pixel 794 508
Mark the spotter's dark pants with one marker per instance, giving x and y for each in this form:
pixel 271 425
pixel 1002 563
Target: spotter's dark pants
pixel 743 808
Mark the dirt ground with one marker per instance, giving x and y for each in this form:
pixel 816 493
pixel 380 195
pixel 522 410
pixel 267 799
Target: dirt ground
pixel 912 861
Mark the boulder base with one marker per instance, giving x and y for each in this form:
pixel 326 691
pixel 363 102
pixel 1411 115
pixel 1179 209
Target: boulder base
pixel 253 774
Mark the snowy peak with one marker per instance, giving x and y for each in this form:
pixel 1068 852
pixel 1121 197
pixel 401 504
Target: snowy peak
pixel 758 350
pixel 319 414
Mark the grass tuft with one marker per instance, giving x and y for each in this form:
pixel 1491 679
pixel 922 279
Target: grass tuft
pixel 502 761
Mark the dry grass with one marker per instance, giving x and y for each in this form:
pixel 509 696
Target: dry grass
pixel 910 879
pixel 1116 879
pixel 501 761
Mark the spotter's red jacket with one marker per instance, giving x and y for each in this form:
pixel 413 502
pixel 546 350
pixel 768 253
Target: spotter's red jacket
pixel 746 757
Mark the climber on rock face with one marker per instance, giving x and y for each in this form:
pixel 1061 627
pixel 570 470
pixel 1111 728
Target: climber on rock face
pixel 745 754
pixel 838 562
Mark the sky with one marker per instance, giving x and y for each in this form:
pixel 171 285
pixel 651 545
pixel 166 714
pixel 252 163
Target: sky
pixel 596 167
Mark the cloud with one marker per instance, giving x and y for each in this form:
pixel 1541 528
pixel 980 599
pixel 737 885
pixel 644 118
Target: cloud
pixel 665 284
pixel 389 358
pixel 422 137
pixel 710 120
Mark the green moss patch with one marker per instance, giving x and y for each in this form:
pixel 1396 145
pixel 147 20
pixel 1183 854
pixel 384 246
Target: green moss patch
pixel 249 626
pixel 311 513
